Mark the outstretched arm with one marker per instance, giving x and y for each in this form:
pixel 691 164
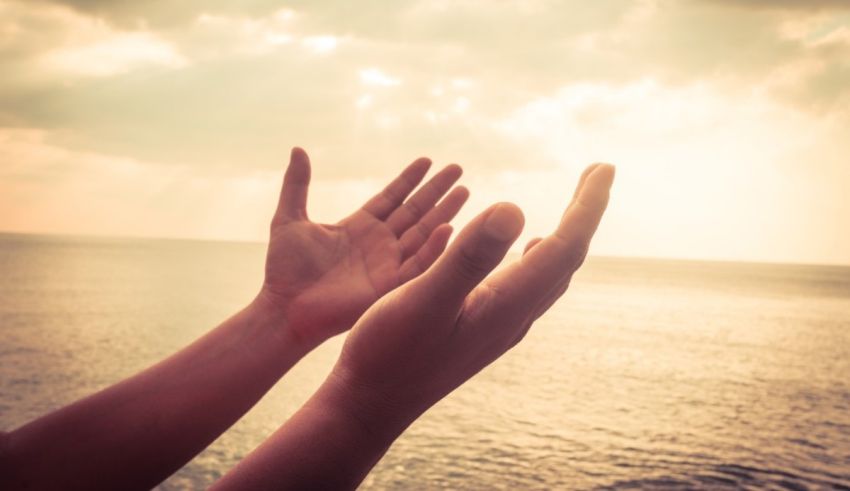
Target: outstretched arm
pixel 319 279
pixel 423 340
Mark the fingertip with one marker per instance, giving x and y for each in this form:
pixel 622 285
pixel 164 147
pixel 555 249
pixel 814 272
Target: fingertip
pixel 531 243
pixel 417 170
pixel 462 192
pixel 583 179
pixel 422 163
pixel 298 171
pixel 455 169
pixel 602 176
pixel 580 221
pixel 590 168
pixel 298 153
pixel 605 165
pixel 613 170
pixel 444 233
pixel 504 222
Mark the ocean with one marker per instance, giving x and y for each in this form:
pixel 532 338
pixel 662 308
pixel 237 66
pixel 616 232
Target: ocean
pixel 647 374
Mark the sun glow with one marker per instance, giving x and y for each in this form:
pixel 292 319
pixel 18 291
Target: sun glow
pixel 725 150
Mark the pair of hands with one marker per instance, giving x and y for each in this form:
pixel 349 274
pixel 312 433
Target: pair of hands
pixel 425 318
pixel 444 318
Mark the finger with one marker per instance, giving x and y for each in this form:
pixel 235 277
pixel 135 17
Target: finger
pixel 582 217
pixel 426 255
pixel 553 260
pixel 531 243
pixel 582 180
pixel 383 203
pixel 478 249
pixel 415 236
pixel 292 204
pixel 423 200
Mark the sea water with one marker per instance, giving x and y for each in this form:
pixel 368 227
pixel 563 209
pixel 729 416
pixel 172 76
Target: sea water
pixel 647 374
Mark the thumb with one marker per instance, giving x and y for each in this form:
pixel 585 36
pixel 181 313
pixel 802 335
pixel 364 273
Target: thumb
pixel 478 249
pixel 293 197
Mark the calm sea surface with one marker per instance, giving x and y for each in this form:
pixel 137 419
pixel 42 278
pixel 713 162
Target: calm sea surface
pixel 648 374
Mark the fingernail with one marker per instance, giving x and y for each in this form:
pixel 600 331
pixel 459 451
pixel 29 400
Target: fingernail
pixel 504 223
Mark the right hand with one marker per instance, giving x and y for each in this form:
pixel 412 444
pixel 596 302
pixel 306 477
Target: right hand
pixel 427 337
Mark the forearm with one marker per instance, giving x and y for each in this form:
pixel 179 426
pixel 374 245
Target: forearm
pixel 137 432
pixel 332 442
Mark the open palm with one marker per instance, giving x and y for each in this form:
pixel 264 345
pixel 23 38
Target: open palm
pixel 326 276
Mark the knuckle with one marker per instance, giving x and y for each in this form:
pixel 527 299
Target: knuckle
pixel 522 333
pixel 422 230
pixel 592 204
pixel 521 329
pixel 408 245
pixel 277 220
pixel 480 303
pixel 575 250
pixel 575 259
pixel 391 195
pixel 413 208
pixel 579 254
pixel 473 265
pixel 418 265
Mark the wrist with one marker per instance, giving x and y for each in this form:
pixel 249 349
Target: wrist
pixel 277 318
pixel 377 416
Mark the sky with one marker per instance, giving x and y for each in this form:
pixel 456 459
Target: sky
pixel 728 120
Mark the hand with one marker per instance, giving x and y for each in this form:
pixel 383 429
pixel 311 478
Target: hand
pixel 422 340
pixel 426 338
pixel 325 276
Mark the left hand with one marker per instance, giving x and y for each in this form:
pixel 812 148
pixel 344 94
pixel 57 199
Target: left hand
pixel 323 277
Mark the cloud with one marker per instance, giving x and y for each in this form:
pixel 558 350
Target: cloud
pixel 162 13
pixel 374 76
pixel 246 93
pixel 810 5
pixel 369 84
pixel 321 44
pixel 112 54
pixel 196 101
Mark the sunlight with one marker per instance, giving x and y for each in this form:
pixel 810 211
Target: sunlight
pixel 732 134
pixel 375 76
pixel 321 44
pixel 100 51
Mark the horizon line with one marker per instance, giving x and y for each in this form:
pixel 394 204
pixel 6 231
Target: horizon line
pixel 258 242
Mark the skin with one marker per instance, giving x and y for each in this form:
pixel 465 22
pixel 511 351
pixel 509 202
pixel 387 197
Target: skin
pixel 319 279
pixel 423 340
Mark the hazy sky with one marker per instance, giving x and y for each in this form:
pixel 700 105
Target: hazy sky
pixel 729 121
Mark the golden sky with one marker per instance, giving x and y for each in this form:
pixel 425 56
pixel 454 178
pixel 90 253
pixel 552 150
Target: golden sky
pixel 728 120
